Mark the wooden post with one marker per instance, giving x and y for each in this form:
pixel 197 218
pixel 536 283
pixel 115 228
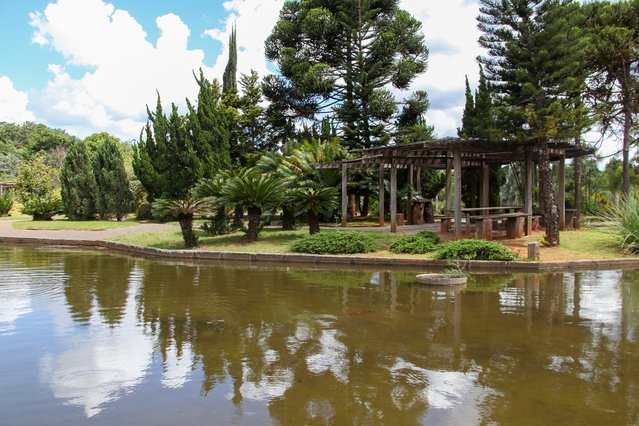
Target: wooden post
pixel 485 186
pixel 533 250
pixel 528 190
pixel 418 178
pixel 344 195
pixel 381 195
pixel 448 189
pixel 561 196
pixel 409 209
pixel 393 197
pixel 458 184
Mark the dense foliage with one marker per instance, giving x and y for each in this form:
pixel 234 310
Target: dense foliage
pixel 78 188
pixel 420 243
pixel 37 189
pixel 6 203
pixel 114 196
pixel 474 250
pixel 335 242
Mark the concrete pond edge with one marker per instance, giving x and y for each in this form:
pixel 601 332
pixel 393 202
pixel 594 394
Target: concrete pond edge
pixel 470 265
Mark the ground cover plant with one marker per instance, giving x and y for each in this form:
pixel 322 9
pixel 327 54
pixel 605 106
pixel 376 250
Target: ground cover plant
pixel 421 243
pixel 474 250
pixel 335 242
pixel 6 203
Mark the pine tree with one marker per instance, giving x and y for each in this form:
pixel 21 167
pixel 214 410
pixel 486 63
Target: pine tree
pixel 78 187
pixel 338 58
pixel 535 61
pixel 114 196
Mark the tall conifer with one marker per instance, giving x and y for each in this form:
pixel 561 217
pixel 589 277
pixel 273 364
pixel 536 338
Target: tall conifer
pixel 114 196
pixel 78 187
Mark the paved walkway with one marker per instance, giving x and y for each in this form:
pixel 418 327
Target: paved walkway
pixel 7 230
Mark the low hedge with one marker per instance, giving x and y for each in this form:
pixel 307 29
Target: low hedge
pixel 474 250
pixel 420 243
pixel 334 242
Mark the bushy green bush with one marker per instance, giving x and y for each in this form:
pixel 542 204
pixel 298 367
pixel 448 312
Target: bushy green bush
pixel 43 207
pixel 6 202
pixel 420 243
pixel 473 250
pixel 334 242
pixel 625 218
pixel 412 244
pixel 430 236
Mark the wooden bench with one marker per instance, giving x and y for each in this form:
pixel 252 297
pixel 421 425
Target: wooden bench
pixel 484 224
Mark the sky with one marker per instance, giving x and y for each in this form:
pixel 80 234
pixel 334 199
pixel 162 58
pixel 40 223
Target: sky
pixel 89 66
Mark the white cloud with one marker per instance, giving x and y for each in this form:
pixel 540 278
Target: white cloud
pixel 123 69
pixel 13 103
pixel 255 20
pixel 451 27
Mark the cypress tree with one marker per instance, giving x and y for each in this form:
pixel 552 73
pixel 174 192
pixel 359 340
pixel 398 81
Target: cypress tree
pixel 467 129
pixel 78 187
pixel 114 195
pixel 229 79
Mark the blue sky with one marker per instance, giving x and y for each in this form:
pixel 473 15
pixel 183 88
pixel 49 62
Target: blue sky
pixel 92 65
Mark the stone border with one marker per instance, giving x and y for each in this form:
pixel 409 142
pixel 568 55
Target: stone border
pixel 471 265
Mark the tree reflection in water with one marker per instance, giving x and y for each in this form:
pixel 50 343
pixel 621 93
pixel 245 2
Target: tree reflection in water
pixel 356 347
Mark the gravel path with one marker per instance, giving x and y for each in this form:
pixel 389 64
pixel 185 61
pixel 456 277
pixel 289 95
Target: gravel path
pixel 7 230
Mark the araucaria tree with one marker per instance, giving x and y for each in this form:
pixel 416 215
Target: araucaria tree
pixel 114 196
pixel 78 187
pixel 337 57
pixel 535 64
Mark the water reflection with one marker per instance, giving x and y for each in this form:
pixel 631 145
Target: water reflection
pixel 331 347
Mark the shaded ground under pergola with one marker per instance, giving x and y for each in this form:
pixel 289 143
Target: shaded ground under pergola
pixel 453 155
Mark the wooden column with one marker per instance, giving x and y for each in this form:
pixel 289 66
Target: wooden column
pixel 381 195
pixel 458 184
pixel 484 200
pixel 393 197
pixel 561 196
pixel 528 191
pixel 447 203
pixel 344 195
pixel 411 181
pixel 418 180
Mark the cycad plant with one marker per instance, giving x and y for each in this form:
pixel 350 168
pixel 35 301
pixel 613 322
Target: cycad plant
pixel 212 187
pixel 185 210
pixel 256 192
pixel 314 202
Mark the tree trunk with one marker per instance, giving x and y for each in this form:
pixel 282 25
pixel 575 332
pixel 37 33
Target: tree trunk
pixel 550 207
pixel 365 205
pixel 627 119
pixel 186 224
pixel 288 219
pixel 577 168
pixel 238 217
pixel 313 223
pixel 254 221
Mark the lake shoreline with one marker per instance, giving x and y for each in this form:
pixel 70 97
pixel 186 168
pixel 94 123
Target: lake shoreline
pixel 312 259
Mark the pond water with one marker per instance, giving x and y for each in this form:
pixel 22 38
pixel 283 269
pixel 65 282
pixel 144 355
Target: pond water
pixel 96 338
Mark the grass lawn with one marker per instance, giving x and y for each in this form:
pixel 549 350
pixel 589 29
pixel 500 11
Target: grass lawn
pixel 586 243
pixel 270 240
pixel 63 224
pixel 596 243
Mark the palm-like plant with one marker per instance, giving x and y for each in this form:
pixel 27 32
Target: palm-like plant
pixel 185 210
pixel 314 202
pixel 210 188
pixel 256 192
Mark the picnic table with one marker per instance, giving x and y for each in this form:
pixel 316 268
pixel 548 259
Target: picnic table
pixel 483 218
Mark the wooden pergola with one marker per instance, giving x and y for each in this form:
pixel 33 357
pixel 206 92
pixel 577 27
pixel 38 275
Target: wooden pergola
pixel 453 154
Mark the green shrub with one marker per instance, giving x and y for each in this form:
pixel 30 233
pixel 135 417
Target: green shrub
pixel 625 218
pixel 43 207
pixel 474 250
pixel 334 242
pixel 6 202
pixel 412 244
pixel 430 236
